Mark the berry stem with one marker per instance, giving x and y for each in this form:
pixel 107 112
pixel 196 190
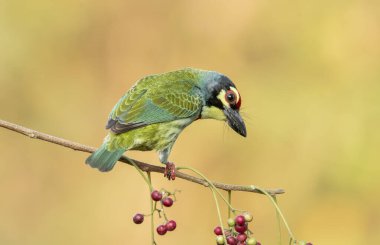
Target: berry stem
pixel 211 185
pixel 214 191
pixel 230 202
pixel 155 206
pixel 278 222
pixel 163 212
pixel 219 215
pixel 274 202
pixel 149 181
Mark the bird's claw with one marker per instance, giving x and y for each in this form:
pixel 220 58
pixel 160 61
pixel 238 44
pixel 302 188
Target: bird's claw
pixel 170 171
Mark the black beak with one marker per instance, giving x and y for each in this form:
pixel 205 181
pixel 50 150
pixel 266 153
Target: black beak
pixel 235 121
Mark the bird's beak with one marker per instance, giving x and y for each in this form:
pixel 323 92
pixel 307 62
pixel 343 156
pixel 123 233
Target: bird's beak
pixel 235 121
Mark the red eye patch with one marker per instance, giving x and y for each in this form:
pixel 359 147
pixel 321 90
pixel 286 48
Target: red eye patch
pixel 238 104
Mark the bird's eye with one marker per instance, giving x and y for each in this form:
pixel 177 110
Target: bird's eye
pixel 230 97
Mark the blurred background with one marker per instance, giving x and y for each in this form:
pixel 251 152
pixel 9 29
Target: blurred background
pixel 308 72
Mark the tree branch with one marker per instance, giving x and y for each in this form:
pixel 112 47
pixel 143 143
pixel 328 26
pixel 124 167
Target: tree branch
pixel 143 166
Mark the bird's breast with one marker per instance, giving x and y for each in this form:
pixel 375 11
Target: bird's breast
pixel 157 136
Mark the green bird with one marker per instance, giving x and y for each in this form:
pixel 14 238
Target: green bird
pixel 152 114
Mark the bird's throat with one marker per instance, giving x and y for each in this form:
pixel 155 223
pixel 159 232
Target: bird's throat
pixel 212 113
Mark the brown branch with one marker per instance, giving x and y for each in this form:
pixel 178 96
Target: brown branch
pixel 143 166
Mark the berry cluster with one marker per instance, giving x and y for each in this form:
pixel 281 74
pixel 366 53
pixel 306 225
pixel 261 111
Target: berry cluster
pixel 238 232
pixel 165 200
pixel 168 226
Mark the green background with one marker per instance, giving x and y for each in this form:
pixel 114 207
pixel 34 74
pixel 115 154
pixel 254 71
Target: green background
pixel 308 73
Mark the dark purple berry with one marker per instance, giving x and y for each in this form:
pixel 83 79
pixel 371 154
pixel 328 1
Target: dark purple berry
pixel 241 237
pixel 258 243
pixel 171 225
pixel 309 243
pixel 138 218
pixel 241 228
pixel 231 240
pixel 161 230
pixel 167 202
pixel 156 195
pixel 218 231
pixel 240 220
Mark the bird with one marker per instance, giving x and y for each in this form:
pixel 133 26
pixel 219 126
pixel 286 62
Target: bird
pixel 153 112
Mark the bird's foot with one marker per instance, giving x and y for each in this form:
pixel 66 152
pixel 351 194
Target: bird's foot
pixel 170 171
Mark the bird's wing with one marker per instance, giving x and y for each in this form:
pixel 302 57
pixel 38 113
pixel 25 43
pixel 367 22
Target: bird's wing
pixel 144 105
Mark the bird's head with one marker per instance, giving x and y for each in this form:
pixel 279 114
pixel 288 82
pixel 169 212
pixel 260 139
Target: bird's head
pixel 223 102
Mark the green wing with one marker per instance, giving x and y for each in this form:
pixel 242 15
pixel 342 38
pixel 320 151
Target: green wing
pixel 156 99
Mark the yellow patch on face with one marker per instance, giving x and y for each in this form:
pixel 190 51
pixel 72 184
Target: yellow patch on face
pixel 222 96
pixel 213 113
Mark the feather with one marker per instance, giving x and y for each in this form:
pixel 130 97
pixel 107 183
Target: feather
pixel 157 99
pixel 103 159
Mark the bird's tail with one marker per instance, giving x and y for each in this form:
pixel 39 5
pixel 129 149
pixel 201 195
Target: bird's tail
pixel 103 159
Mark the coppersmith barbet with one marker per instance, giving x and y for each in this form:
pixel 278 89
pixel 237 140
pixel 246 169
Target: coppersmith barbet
pixel 152 114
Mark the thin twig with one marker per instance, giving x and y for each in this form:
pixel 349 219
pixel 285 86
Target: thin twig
pixel 143 166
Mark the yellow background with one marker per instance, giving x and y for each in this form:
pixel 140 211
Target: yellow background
pixel 308 72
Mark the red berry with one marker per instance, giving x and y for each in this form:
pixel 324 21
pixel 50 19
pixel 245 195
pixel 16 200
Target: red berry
pixel 167 202
pixel 240 220
pixel 258 243
pixel 231 240
pixel 218 231
pixel 161 230
pixel 156 195
pixel 138 218
pixel 241 228
pixel 241 237
pixel 171 225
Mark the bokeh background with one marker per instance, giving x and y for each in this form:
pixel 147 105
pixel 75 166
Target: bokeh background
pixel 308 72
